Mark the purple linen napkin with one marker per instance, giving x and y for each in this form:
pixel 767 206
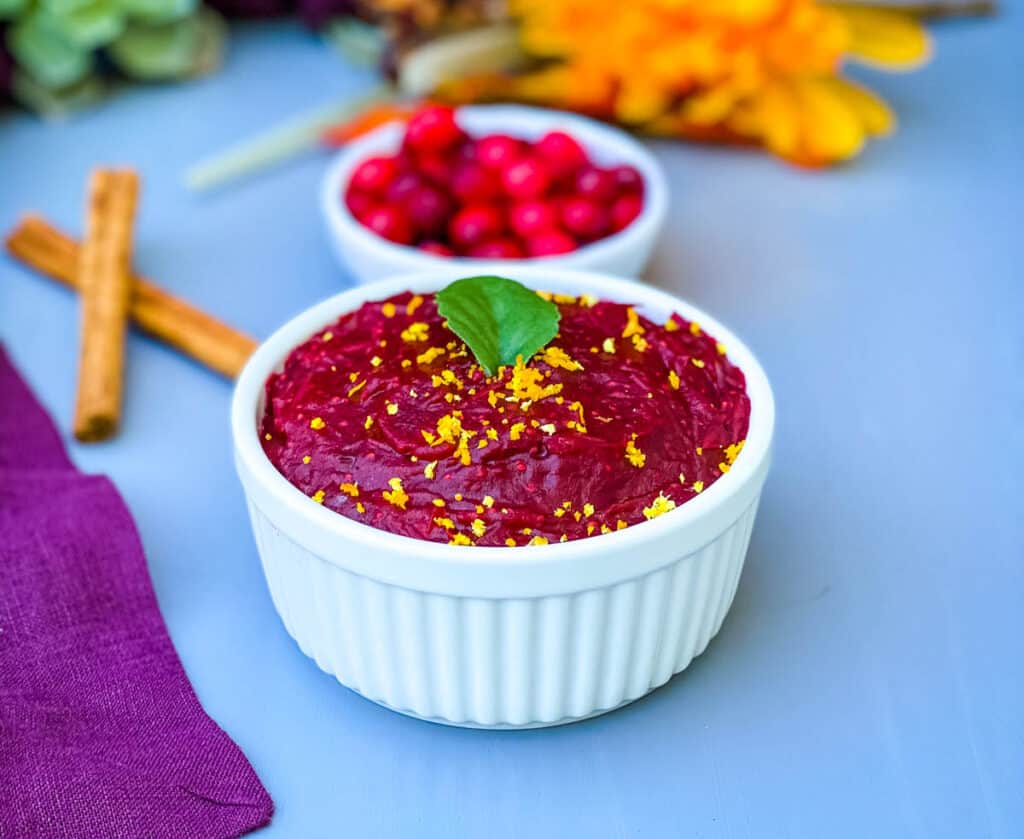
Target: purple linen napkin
pixel 101 734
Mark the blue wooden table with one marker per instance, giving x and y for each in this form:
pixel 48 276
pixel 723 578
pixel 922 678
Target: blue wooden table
pixel 869 680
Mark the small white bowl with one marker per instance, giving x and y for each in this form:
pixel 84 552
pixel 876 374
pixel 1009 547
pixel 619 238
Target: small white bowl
pixel 501 637
pixel 370 257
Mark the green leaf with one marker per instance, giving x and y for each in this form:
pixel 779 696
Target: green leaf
pixel 12 8
pixel 45 54
pixel 56 103
pixel 213 34
pixel 161 51
pixel 499 319
pixel 85 23
pixel 158 11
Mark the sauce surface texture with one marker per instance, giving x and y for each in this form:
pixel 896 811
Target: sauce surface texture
pixel 386 418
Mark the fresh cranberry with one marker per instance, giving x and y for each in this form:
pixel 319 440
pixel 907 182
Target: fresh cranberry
pixel 550 243
pixel 358 203
pixel 436 248
pixel 585 218
pixel 498 150
pixel 498 249
pixel 627 178
pixel 375 174
pixel 475 224
pixel 525 179
pixel 448 192
pixel 405 161
pixel 428 209
pixel 402 187
pixel 625 209
pixel 561 151
pixel 434 167
pixel 466 151
pixel 390 223
pixel 528 218
pixel 471 183
pixel 433 129
pixel 596 184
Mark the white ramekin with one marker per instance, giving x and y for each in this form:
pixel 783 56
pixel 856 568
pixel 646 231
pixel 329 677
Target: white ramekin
pixel 501 637
pixel 370 257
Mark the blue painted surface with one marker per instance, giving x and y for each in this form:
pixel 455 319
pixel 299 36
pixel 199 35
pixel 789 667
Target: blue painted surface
pixel 870 678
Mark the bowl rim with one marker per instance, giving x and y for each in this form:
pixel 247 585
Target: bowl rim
pixel 654 543
pixel 597 137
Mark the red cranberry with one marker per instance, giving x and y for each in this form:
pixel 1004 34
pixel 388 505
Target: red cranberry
pixel 628 178
pixel 402 187
pixel 525 179
pixel 435 167
pixel 475 224
pixel 405 161
pixel 561 151
pixel 498 249
pixel 466 150
pixel 595 183
pixel 375 174
pixel 390 223
pixel 585 218
pixel 433 129
pixel 428 209
pixel 358 203
pixel 550 244
pixel 471 183
pixel 529 218
pixel 436 248
pixel 498 150
pixel 625 209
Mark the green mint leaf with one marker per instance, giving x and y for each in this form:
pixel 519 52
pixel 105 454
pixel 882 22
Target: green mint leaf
pixel 498 319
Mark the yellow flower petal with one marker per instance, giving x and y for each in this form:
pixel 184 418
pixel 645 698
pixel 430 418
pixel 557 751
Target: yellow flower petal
pixel 638 102
pixel 885 38
pixel 750 71
pixel 830 129
pixel 774 118
pixel 711 106
pixel 873 113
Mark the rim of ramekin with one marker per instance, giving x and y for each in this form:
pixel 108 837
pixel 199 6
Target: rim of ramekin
pixel 728 496
pixel 600 139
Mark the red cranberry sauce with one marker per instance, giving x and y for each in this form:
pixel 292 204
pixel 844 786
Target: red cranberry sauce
pixel 386 418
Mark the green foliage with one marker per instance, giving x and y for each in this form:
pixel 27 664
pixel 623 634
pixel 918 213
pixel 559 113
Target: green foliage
pixel 55 42
pixel 160 51
pixel 11 8
pixel 158 11
pixel 45 54
pixel 87 24
pixel 499 319
pixel 57 102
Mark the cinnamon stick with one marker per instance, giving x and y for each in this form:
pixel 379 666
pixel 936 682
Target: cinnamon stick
pixel 41 246
pixel 104 274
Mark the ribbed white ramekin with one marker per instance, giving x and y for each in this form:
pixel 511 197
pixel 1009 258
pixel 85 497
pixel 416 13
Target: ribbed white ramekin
pixel 501 637
pixel 370 257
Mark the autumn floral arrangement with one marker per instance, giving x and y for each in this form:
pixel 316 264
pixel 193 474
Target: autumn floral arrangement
pixel 767 73
pixel 763 72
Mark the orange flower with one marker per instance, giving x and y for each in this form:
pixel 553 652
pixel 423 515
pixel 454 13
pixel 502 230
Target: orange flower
pixel 752 71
